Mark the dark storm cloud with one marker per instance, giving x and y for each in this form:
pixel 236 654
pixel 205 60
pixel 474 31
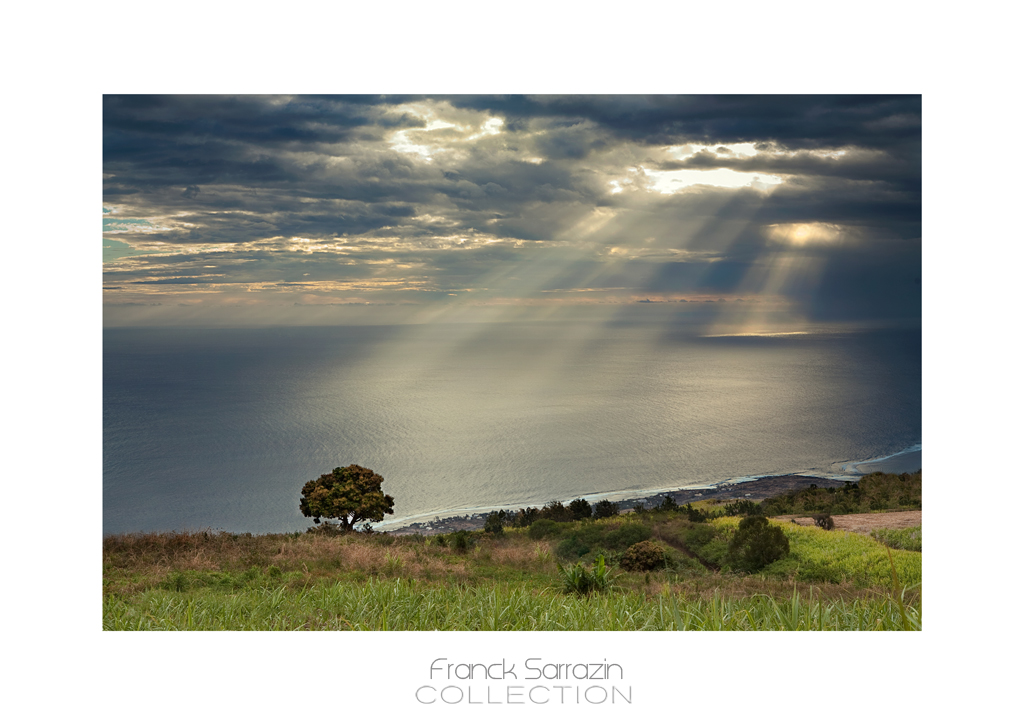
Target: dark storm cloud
pixel 855 165
pixel 433 194
pixel 267 121
pixel 797 121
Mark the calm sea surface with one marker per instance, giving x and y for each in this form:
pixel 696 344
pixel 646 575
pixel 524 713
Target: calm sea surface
pixel 220 428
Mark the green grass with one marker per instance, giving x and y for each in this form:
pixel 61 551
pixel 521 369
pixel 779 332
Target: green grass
pixel 907 539
pixel 838 557
pixel 514 581
pixel 402 605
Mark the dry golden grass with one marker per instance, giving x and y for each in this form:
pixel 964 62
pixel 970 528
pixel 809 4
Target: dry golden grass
pixel 136 561
pixel 523 554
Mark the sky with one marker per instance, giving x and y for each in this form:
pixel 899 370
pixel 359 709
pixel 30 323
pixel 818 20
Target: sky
pixel 748 210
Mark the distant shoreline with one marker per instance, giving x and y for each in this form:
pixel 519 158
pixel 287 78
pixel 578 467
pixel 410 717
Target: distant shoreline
pixel 909 459
pixel 754 488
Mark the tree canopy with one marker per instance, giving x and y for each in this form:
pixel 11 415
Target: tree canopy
pixel 351 494
pixel 580 509
pixel 757 543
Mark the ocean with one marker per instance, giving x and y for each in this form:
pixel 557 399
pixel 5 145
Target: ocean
pixel 220 428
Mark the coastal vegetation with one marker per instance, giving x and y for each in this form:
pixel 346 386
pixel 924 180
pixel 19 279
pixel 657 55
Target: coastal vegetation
pixel 874 492
pixel 664 568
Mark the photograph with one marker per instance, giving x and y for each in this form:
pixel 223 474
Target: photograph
pixel 533 363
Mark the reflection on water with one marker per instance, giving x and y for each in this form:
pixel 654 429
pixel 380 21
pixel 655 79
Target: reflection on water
pixel 220 428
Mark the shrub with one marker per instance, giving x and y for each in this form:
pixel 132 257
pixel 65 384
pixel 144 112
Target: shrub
pixel 542 529
pixel 756 544
pixel 824 521
pixel 695 515
pixel 578 580
pixel 741 508
pixel 873 492
pixel 495 523
pixel 643 556
pixel 580 509
pixel 571 548
pixel 176 581
pixel 555 511
pixel 456 540
pixel 605 509
pixel 459 541
pixel 392 565
pixel 708 542
pixel 525 517
pixel 627 535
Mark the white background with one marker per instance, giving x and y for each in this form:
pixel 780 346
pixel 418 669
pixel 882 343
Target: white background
pixel 60 58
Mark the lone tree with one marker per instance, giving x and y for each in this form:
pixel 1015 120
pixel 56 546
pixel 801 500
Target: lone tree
pixel 350 494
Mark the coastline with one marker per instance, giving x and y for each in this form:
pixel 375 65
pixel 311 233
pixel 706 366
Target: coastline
pixel 909 459
pixel 755 488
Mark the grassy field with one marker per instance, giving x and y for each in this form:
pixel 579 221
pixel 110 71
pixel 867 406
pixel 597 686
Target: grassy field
pixel 816 555
pixel 909 539
pixel 831 580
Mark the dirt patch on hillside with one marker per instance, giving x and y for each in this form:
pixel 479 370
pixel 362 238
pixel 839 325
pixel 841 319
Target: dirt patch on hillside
pixel 865 523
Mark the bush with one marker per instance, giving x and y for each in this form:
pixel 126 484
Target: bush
pixel 627 535
pixel 176 581
pixel 456 541
pixel 741 508
pixel 525 517
pixel 556 511
pixel 605 509
pixel 580 509
pixel 495 523
pixel 695 515
pixel 460 541
pixel 572 548
pixel 644 556
pixel 824 521
pixel 542 529
pixel 873 492
pixel 578 580
pixel 756 544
